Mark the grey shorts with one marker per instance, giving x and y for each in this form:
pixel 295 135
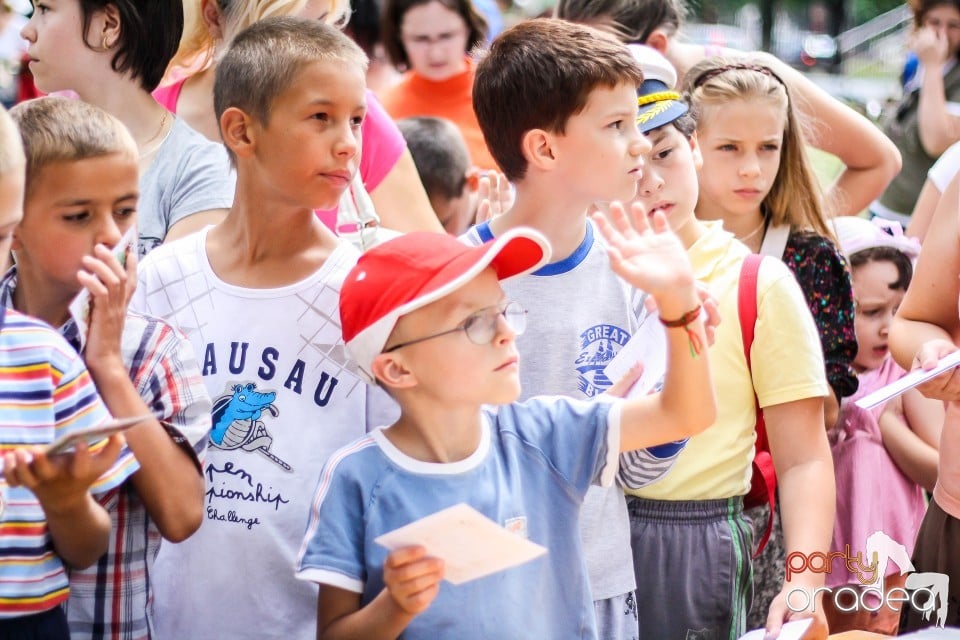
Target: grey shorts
pixel 617 617
pixel 692 562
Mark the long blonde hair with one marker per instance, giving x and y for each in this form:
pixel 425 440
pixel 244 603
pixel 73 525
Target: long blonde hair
pixel 795 198
pixel 197 46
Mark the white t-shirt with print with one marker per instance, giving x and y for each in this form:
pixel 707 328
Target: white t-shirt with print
pixel 285 397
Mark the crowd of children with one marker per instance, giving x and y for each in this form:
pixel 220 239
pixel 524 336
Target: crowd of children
pixel 294 397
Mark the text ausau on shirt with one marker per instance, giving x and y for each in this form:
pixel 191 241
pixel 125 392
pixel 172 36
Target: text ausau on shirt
pixel 268 365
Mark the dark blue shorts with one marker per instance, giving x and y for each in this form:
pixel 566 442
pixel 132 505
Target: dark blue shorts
pixel 47 625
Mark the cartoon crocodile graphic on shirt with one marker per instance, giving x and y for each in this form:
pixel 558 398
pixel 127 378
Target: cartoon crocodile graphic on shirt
pixel 237 424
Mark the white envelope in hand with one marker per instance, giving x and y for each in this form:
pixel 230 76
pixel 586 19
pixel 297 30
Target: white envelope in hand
pixel 470 544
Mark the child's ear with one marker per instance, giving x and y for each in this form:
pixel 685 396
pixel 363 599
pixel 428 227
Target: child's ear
pixel 212 18
pixel 658 40
pixel 472 180
pixel 537 148
pixel 110 31
pixel 238 131
pixel 695 151
pixel 15 244
pixel 392 372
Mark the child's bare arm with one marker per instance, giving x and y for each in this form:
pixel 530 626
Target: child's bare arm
pixel 927 327
pixel 915 456
pixel 401 200
pixel 937 127
pixel 79 527
pixel 413 581
pixel 924 416
pixel 928 202
pixel 806 485
pixel 870 158
pixel 167 482
pixel 652 259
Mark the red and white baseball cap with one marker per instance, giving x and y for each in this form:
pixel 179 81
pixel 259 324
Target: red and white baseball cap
pixel 411 271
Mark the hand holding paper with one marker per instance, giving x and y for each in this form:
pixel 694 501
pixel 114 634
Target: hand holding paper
pixel 59 481
pixel 470 545
pixel 412 578
pixel 647 346
pixel 106 282
pixel 91 435
pixel 909 381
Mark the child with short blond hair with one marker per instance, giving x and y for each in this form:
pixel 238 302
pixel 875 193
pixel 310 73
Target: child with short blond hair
pixel 48 518
pixel 81 199
pixel 257 297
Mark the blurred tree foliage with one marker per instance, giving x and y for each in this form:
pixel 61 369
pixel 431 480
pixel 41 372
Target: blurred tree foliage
pixel 863 10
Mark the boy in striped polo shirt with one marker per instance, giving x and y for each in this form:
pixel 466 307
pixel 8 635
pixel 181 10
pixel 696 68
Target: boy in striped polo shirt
pixel 47 515
pixel 80 201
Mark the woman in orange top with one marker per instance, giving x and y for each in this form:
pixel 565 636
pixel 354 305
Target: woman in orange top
pixel 431 40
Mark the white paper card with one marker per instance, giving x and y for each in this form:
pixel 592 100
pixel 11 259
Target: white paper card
pixel 80 306
pixel 909 381
pixel 649 346
pixel 470 544
pixel 91 435
pixel 790 631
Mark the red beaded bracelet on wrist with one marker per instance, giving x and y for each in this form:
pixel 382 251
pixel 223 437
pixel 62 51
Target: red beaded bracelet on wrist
pixel 684 323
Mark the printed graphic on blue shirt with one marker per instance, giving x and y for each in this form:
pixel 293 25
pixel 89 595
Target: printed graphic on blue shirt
pixel 598 346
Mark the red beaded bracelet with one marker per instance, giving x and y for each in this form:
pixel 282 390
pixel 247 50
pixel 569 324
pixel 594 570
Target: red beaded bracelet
pixel 684 322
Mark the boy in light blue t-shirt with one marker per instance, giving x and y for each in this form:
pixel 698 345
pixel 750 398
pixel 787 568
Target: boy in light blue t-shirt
pixel 424 315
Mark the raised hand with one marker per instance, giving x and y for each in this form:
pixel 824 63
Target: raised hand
pixel 647 254
pixel 111 286
pixel 931 46
pixel 494 195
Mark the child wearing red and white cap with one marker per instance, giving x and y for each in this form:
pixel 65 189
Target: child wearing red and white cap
pixel 426 317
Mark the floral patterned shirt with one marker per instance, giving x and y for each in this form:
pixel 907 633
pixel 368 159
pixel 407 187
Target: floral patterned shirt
pixel 824 277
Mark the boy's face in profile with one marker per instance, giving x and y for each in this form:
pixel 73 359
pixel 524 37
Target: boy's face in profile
pixel 456 214
pixel 309 150
pixel 601 152
pixel 669 181
pixel 451 369
pixel 11 207
pixel 71 206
